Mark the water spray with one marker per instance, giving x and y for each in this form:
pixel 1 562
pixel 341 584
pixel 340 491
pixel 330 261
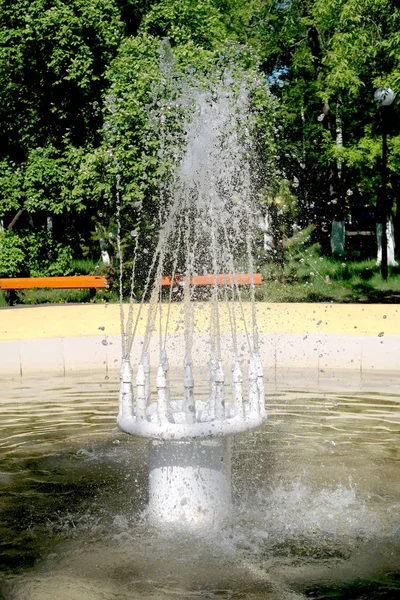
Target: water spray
pixel 207 215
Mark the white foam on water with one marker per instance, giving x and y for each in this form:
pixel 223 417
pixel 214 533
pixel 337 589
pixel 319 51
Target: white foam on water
pixel 276 540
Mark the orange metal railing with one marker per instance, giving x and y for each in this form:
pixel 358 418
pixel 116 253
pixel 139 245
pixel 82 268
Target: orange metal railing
pixel 73 282
pixel 223 279
pixel 98 281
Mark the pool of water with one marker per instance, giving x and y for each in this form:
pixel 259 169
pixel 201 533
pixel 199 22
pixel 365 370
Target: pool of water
pixel 316 499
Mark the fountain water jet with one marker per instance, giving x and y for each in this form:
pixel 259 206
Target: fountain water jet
pixel 207 219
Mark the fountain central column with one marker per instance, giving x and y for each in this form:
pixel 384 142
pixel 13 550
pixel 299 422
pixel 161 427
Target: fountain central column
pixel 190 442
pixel 190 481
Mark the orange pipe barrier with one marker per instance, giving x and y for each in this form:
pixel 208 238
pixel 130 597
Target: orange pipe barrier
pixel 73 282
pixel 224 279
pixel 97 281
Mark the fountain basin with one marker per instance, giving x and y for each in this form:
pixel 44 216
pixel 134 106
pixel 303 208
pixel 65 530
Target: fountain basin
pixel 315 496
pixel 75 338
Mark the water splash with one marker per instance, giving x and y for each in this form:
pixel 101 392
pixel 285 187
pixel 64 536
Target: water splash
pixel 207 218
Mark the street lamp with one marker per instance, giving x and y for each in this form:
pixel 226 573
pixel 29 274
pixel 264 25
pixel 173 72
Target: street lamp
pixel 383 97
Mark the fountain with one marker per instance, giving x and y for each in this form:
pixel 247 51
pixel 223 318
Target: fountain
pixel 315 499
pixel 207 219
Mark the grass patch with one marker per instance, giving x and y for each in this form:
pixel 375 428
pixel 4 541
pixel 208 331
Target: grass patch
pixel 50 296
pixel 86 266
pixel 304 275
pixel 328 280
pixel 3 299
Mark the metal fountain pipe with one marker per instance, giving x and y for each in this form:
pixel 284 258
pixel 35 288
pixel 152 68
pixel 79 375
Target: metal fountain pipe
pixel 141 403
pixel 164 361
pixel 146 367
pixel 237 389
pixel 254 404
pixel 213 387
pixel 260 383
pixel 189 404
pixel 162 396
pixel 219 379
pixel 126 398
pixel 165 365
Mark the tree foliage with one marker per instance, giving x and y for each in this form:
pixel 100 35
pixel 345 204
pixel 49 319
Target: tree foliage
pixel 326 58
pixel 80 83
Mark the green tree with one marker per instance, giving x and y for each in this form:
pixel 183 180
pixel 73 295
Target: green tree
pixel 325 59
pixel 52 75
pixel 145 110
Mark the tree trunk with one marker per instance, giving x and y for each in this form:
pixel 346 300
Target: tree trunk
pixel 12 223
pixel 391 261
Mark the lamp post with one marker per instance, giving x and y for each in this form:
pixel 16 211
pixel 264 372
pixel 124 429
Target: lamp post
pixel 384 97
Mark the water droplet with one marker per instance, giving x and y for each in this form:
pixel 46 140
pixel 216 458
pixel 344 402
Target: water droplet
pixel 104 342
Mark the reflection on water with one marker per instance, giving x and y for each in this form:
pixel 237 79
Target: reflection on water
pixel 317 499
